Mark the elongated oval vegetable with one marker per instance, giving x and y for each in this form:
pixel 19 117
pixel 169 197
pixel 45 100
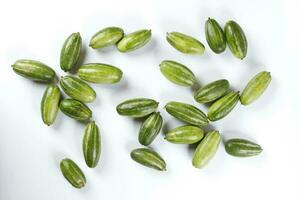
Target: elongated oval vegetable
pixel 70 52
pixel 106 37
pixel 206 149
pixel 212 91
pixel 215 36
pixel 72 173
pixel 91 145
pixel 236 39
pixel 138 107
pixel 77 89
pixel 187 113
pixel 185 134
pixel 100 73
pixel 50 104
pixel 256 87
pixel 134 40
pixel 150 128
pixel 185 43
pixel 223 106
pixel 148 158
pixel 34 70
pixel 177 73
pixel 242 148
pixel 75 109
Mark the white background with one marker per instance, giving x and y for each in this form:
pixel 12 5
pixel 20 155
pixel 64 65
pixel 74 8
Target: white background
pixel 30 151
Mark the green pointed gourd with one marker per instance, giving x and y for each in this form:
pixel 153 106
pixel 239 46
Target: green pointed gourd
pixel 215 36
pixel 70 52
pixel 75 109
pixel 255 88
pixel 34 70
pixel 91 145
pixel 185 134
pixel 99 73
pixel 242 148
pixel 206 149
pixel 177 73
pixel 148 158
pixel 138 107
pixel 50 104
pixel 185 43
pixel 236 39
pixel 223 106
pixel 134 40
pixel 212 91
pixel 187 113
pixel 72 173
pixel 150 128
pixel 106 37
pixel 77 89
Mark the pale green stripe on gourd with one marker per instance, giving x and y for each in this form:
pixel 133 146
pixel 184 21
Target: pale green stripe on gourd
pixel 185 43
pixel 177 73
pixel 91 145
pixel 150 128
pixel 34 70
pixel 206 149
pixel 70 52
pixel 236 39
pixel 99 73
pixel 134 40
pixel 223 106
pixel 72 173
pixel 187 113
pixel 148 158
pixel 215 36
pixel 256 87
pixel 106 37
pixel 242 148
pixel 138 107
pixel 212 91
pixel 75 109
pixel 77 89
pixel 50 104
pixel 185 134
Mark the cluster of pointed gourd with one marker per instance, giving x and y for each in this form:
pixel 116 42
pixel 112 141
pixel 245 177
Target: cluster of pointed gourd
pixel 216 93
pixel 80 92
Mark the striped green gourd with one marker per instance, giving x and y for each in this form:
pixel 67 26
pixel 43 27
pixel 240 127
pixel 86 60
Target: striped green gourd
pixel 91 145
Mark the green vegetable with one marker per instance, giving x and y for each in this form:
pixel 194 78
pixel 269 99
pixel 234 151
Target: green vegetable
pixel 223 106
pixel 256 87
pixel 236 39
pixel 91 145
pixel 139 107
pixel 185 43
pixel 75 109
pixel 242 148
pixel 72 173
pixel 34 70
pixel 212 91
pixel 148 158
pixel 70 52
pixel 206 149
pixel 187 113
pixel 106 37
pixel 177 73
pixel 150 128
pixel 50 104
pixel 185 134
pixel 77 89
pixel 215 36
pixel 100 73
pixel 134 40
